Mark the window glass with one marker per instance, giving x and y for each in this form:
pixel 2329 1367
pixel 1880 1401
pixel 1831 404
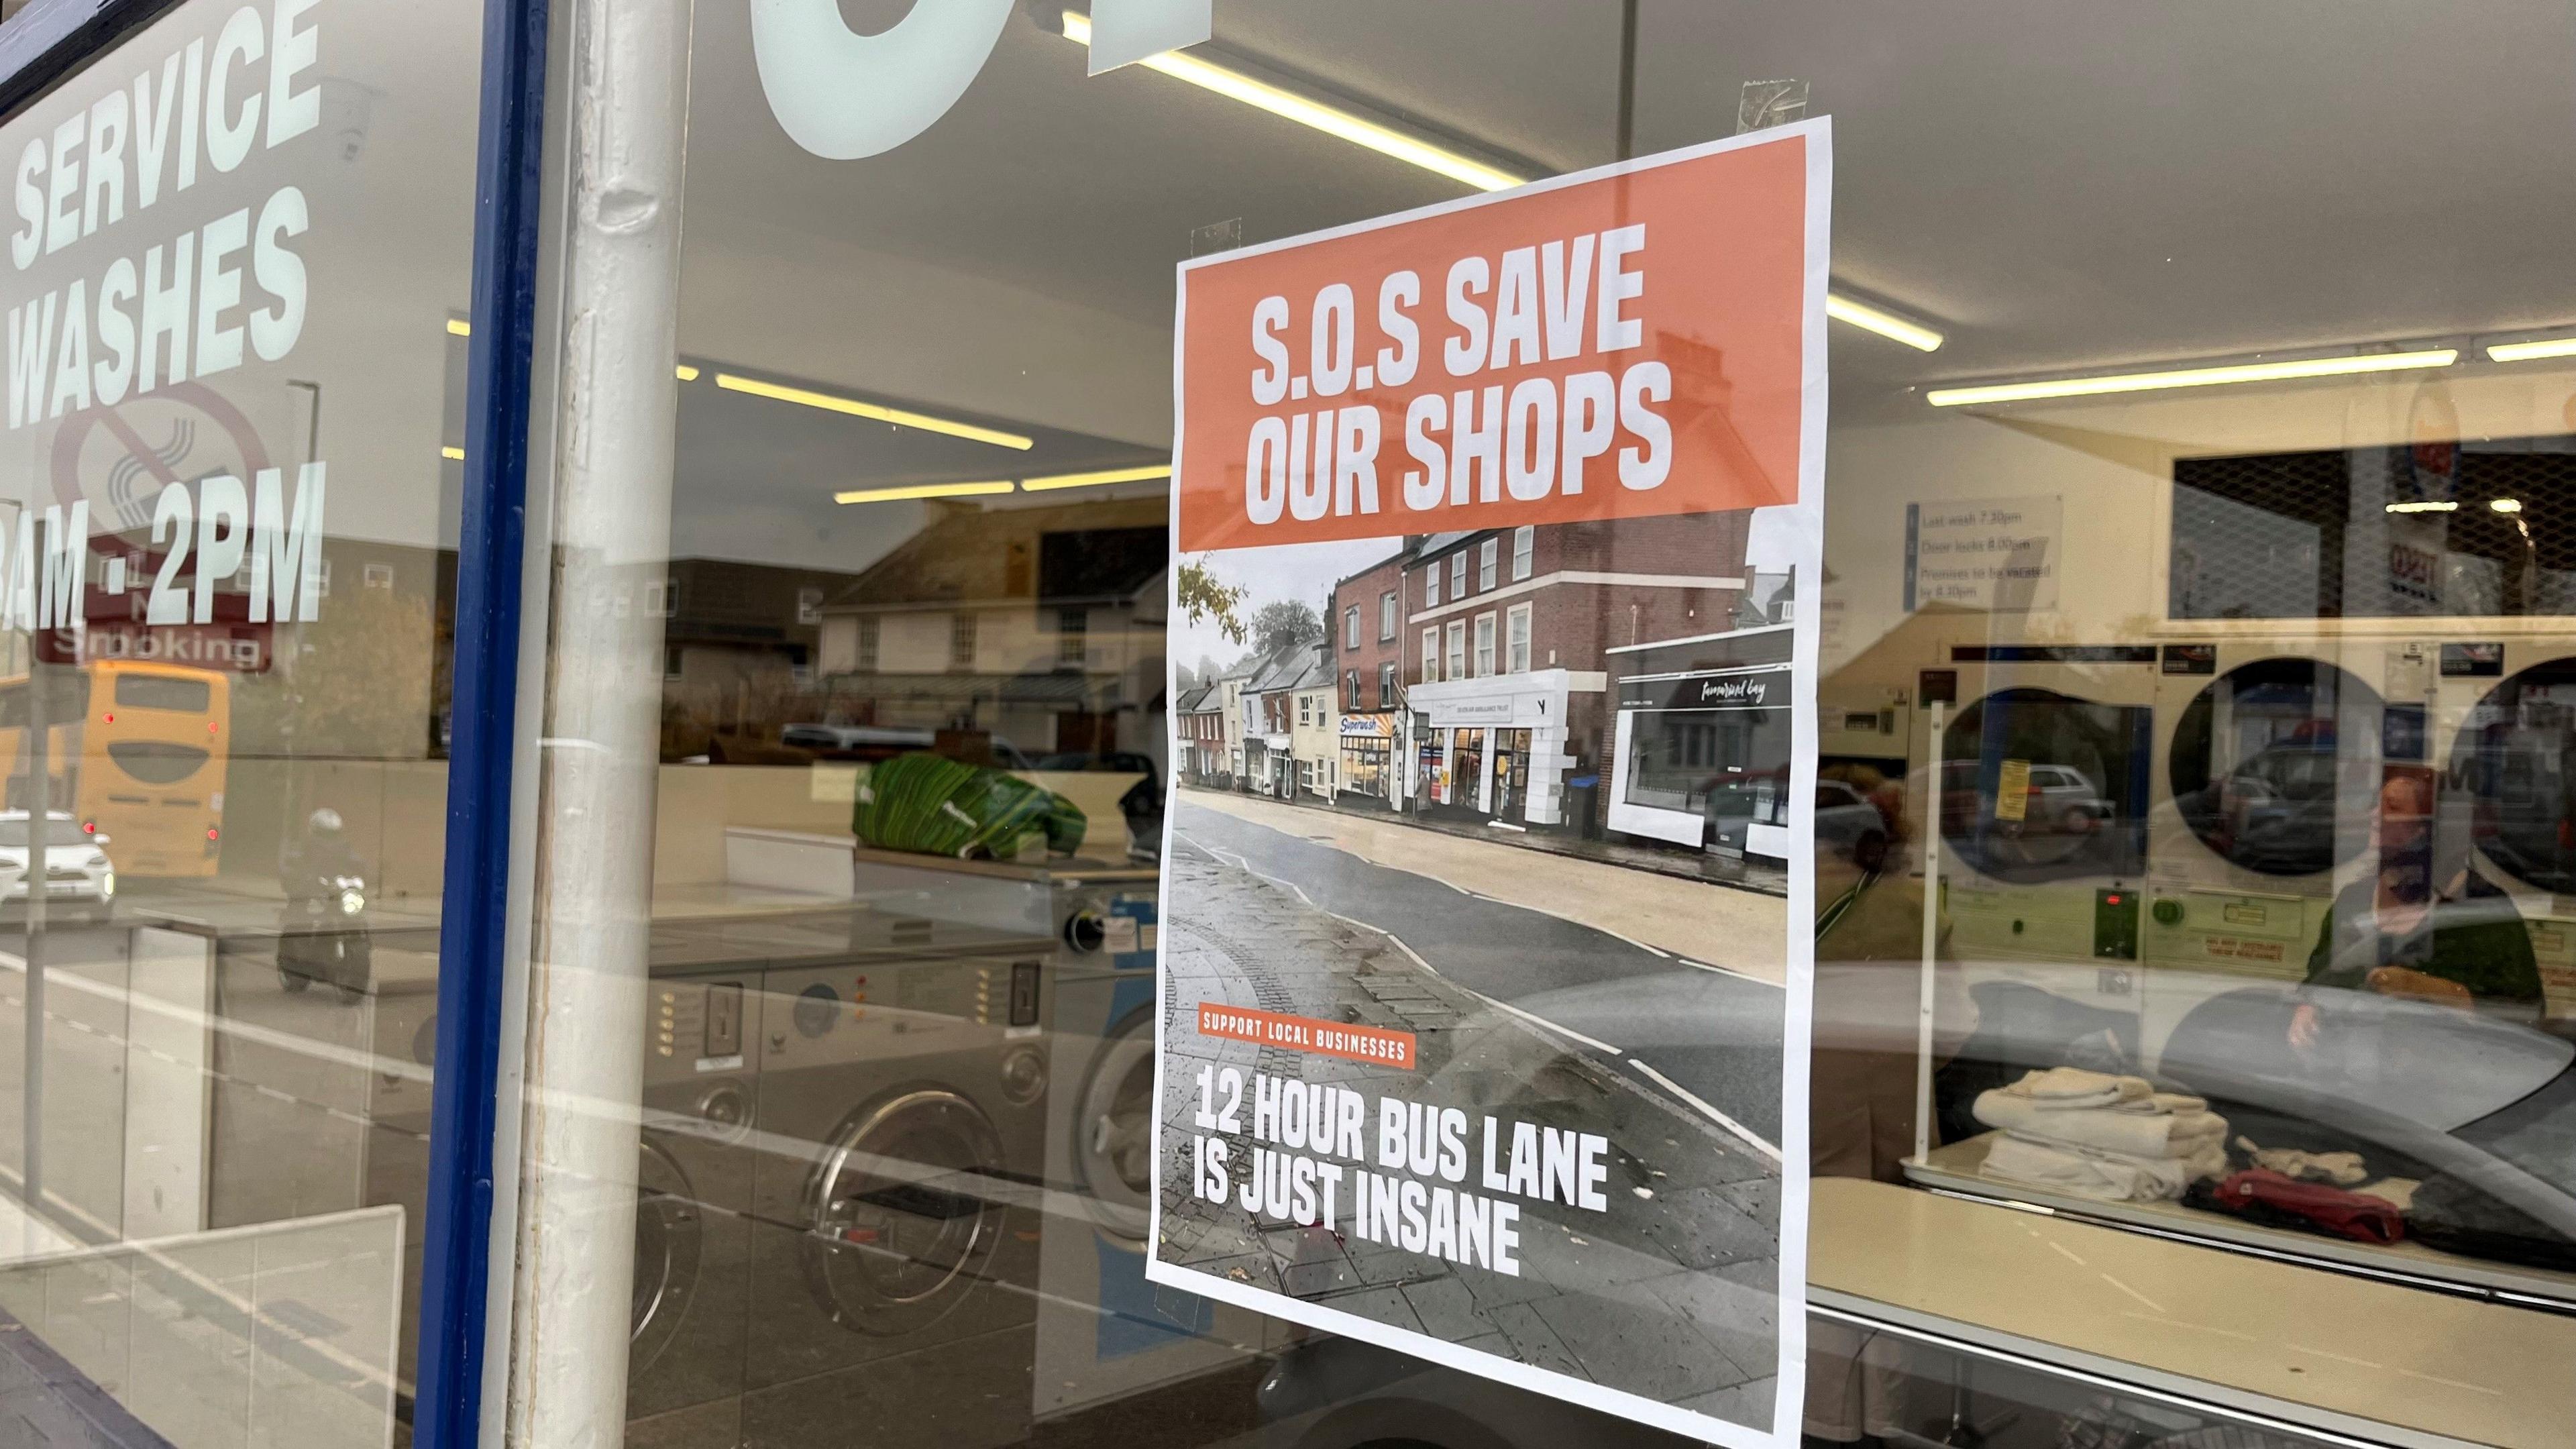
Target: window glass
pixel 2215 737
pixel 230 479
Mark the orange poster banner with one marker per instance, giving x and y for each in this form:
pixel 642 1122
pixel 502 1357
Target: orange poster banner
pixel 1639 341
pixel 1308 1034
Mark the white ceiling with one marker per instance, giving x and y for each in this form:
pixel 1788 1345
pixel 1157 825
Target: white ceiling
pixel 2056 186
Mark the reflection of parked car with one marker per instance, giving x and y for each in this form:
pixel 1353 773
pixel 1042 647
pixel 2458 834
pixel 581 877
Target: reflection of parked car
pixel 870 743
pixel 1849 825
pixel 2059 798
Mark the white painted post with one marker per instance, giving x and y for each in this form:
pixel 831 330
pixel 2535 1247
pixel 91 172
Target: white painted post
pixel 611 456
pixel 1931 940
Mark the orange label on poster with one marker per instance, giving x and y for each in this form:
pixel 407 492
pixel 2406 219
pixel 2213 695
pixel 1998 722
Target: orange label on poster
pixel 1308 1034
pixel 1642 340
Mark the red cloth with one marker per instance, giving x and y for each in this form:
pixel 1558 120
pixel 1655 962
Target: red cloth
pixel 2260 1192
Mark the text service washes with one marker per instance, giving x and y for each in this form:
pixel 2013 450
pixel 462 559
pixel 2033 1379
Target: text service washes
pixel 142 143
pixel 1565 300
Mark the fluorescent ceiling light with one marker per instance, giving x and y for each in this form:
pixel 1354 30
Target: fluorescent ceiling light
pixel 2526 351
pixel 1951 397
pixel 1387 141
pixel 1088 480
pixel 1885 324
pixel 897 416
pixel 2423 508
pixel 923 490
pixel 453 455
pixel 2505 505
pixel 686 373
pixel 459 327
pixel 1331 120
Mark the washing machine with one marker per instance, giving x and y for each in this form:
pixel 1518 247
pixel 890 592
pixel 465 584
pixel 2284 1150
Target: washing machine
pixel 1103 1332
pixel 901 1126
pixel 693 1174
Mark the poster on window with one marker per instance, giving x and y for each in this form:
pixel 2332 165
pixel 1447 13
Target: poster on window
pixel 1486 945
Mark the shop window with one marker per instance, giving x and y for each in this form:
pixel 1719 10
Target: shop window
pixel 1524 548
pixel 1516 632
pixel 1457 649
pixel 1484 645
pixel 1486 553
pixel 1431 655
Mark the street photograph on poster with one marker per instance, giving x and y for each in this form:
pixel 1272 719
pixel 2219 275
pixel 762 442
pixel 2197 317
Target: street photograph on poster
pixel 1484 993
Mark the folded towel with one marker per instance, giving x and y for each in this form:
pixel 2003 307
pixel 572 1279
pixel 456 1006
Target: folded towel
pixel 2073 1088
pixel 2343 1169
pixel 2110 1177
pixel 2159 1104
pixel 2106 1176
pixel 2173 1134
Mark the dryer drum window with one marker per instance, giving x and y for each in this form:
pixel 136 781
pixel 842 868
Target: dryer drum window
pixel 2039 786
pixel 2275 765
pixel 2516 755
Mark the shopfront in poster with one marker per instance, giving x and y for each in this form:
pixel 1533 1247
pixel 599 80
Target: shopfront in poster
pixel 1703 741
pixel 1368 751
pixel 1500 746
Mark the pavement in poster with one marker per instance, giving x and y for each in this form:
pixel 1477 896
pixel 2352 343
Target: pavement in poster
pixel 1714 1034
pixel 1670 1294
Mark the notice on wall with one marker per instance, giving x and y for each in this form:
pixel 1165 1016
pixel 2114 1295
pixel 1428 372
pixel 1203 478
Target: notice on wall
pixel 1983 553
pixel 1435 1064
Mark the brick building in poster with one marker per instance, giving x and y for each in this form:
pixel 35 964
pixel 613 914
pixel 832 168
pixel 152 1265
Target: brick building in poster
pixel 1507 647
pixel 1366 638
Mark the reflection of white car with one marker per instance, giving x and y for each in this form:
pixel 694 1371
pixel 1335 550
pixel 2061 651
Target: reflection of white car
pixel 77 872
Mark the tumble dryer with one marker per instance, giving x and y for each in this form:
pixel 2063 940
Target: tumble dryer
pixel 2270 751
pixel 2041 793
pixel 2507 739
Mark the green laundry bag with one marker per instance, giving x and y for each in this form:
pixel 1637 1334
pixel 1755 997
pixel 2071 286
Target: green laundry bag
pixel 932 805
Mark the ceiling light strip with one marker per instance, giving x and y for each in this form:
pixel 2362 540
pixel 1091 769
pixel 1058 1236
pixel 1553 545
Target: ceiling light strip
pixel 1093 480
pixel 1331 120
pixel 1952 397
pixel 1886 324
pixel 2527 351
pixel 923 490
pixel 2428 507
pixel 1388 141
pixel 853 407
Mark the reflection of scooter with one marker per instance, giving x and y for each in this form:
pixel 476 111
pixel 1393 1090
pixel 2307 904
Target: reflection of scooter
pixel 322 932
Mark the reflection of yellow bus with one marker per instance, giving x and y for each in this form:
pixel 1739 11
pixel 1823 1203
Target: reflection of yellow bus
pixel 136 754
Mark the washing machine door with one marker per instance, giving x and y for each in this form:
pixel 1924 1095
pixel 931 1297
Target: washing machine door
pixel 900 1223
pixel 1113 1128
pixel 669 1230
